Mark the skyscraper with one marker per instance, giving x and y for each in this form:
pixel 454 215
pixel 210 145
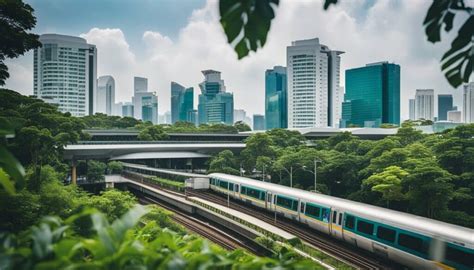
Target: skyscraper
pixel 468 103
pixel 145 104
pixel 276 106
pixel 140 84
pixel 182 103
pixel 258 122
pixel 215 105
pixel 372 95
pixel 105 100
pixel 424 104
pixel 314 96
pixel 445 104
pixel 65 69
pixel 411 109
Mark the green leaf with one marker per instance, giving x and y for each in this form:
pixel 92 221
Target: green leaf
pixel 11 166
pixel 328 3
pixel 458 60
pixel 6 183
pixel 246 23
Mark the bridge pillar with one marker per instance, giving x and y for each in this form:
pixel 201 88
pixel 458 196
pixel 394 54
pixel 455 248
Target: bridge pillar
pixel 73 172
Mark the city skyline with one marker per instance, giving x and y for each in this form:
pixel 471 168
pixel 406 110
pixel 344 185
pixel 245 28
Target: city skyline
pixel 147 56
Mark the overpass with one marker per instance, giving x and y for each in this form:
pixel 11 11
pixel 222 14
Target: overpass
pixel 157 151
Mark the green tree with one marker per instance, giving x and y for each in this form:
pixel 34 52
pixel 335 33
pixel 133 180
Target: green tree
pixel 113 203
pixel 429 190
pixel 224 161
pixel 408 134
pixel 389 183
pixel 16 19
pixel 95 171
pixel 115 167
pixel 259 144
pixel 284 137
pixel 241 126
pixel 153 133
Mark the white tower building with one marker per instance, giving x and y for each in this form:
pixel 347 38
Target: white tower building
pixel 314 94
pixel 468 103
pixel 424 104
pixel 105 100
pixel 65 70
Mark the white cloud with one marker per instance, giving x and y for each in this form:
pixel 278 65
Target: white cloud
pixel 388 30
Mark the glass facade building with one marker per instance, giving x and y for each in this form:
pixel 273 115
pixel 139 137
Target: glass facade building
pixel 276 106
pixel 372 96
pixel 127 109
pixel 258 122
pixel 182 103
pixel 215 105
pixel 65 70
pixel 445 104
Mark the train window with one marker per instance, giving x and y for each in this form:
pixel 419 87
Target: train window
pixel 365 227
pixel 223 184
pixel 212 181
pixel 243 190
pixel 254 193
pixel 269 198
pixel 295 206
pixel 350 222
pixel 325 215
pixel 313 211
pixel 302 207
pixel 287 203
pixel 458 256
pixel 334 216
pixel 410 242
pixel 231 186
pixel 340 219
pixel 386 234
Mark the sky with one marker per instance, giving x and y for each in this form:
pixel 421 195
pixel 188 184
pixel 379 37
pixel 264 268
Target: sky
pixel 173 40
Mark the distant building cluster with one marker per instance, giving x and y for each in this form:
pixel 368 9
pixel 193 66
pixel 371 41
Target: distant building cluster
pixel 306 93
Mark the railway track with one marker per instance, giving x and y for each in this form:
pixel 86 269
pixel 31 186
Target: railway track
pixel 211 231
pixel 336 248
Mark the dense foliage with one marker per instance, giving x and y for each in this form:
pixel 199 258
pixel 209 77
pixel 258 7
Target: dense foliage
pixel 428 175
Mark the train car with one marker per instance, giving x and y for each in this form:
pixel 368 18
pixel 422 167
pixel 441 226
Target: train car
pixel 417 242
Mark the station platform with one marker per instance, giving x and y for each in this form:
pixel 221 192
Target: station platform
pixel 244 219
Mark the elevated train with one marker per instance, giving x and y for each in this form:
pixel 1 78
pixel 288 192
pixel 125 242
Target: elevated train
pixel 417 242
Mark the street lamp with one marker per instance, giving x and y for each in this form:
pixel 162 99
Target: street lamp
pixel 315 172
pixel 290 172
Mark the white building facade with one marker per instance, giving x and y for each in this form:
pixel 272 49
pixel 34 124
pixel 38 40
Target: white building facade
pixel 105 99
pixel 411 109
pixel 424 104
pixel 454 116
pixel 314 93
pixel 65 69
pixel 468 103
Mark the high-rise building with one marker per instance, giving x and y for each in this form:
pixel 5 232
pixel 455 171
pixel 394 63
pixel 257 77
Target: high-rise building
pixel 182 102
pixel 314 95
pixel 445 104
pixel 276 105
pixel 215 105
pixel 193 117
pixel 411 109
pixel 140 84
pixel 128 110
pixel 372 95
pixel 65 69
pixel 468 103
pixel 105 99
pixel 258 122
pixel 424 104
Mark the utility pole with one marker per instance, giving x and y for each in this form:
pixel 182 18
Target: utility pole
pixel 291 176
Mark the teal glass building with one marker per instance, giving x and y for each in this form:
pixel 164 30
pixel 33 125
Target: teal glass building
pixel 215 105
pixel 276 107
pixel 149 109
pixel 182 103
pixel 372 96
pixel 445 104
